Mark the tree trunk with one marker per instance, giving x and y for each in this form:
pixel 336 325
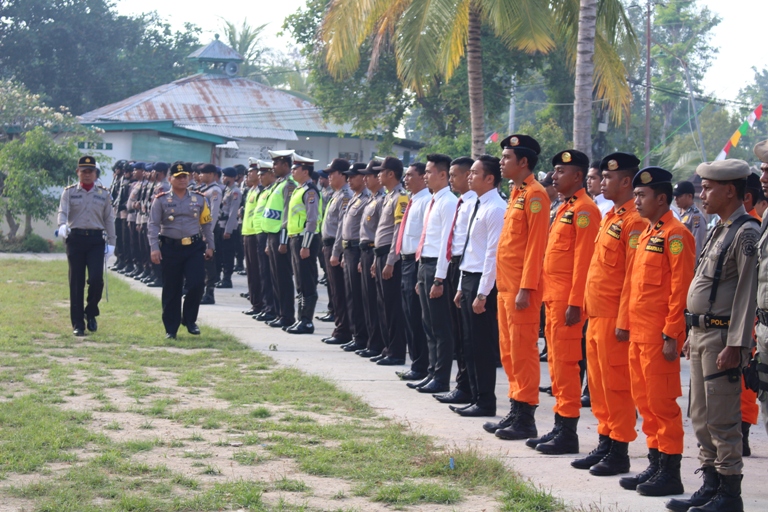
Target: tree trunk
pixel 27 225
pixel 475 79
pixel 585 71
pixel 13 226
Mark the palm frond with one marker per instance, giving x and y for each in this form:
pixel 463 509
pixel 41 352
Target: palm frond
pixel 522 24
pixel 455 43
pixel 386 16
pixel 346 24
pixel 611 78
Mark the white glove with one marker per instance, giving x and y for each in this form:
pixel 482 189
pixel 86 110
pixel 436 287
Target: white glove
pixel 63 231
pixel 108 250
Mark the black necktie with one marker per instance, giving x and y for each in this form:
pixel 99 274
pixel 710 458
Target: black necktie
pixel 469 230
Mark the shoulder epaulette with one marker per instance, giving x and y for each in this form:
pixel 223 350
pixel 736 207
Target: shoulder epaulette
pixel 102 187
pixel 194 192
pixel 161 194
pixel 71 186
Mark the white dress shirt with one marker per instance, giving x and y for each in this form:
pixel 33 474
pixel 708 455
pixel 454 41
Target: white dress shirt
pixel 468 200
pixel 480 255
pixel 437 225
pixel 415 221
pixel 603 204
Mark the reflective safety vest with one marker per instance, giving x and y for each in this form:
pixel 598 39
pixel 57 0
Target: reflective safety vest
pixel 297 212
pixel 248 212
pixel 258 212
pixel 273 211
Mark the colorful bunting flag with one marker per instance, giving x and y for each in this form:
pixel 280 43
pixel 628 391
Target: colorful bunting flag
pixel 743 129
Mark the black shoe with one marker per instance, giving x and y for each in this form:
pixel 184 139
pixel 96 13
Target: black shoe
pixel 170 336
pixel 746 451
pixel 292 326
pixel 390 361
pixel 265 317
pixel 328 317
pixel 543 356
pixel 301 327
pixel 193 329
pixel 224 283
pixel 535 441
pixel 252 312
pixel 565 441
pixel 241 273
pixel 595 456
pixel 77 331
pixel 586 402
pixel 334 341
pixel 523 424
pixel 728 496
pixel 90 323
pixel 630 483
pixel 506 421
pixel 616 462
pixel 475 411
pixel 411 375
pixel 667 480
pixel 376 359
pixel 456 396
pixel 547 390
pixel 155 284
pixel 352 346
pixel 207 300
pixel 433 387
pixel 457 408
pixel 423 382
pixel 238 268
pixel 367 353
pixel 279 323
pixel 705 493
pixel 323 281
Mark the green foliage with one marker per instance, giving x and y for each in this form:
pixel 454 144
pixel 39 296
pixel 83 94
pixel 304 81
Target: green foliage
pixel 35 243
pixel 551 138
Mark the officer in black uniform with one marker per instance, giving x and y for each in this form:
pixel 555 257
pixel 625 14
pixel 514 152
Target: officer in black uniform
pixel 181 238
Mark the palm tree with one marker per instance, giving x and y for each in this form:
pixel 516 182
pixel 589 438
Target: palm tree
pixel 430 37
pixel 247 42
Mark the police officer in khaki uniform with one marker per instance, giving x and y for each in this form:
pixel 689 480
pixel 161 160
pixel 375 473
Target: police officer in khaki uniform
pixel 85 213
pixel 761 330
pixel 720 302
pixel 690 215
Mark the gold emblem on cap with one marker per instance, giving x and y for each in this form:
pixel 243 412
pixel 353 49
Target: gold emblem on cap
pixel 613 165
pixel 514 141
pixel 87 160
pixel 566 157
pixel 646 178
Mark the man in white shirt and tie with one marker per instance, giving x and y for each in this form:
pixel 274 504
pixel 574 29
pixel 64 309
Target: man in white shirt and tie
pixel 476 297
pixel 433 269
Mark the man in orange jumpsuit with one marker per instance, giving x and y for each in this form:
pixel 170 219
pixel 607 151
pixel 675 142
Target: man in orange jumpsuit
pixel 518 261
pixel 661 274
pixel 570 245
pixel 607 308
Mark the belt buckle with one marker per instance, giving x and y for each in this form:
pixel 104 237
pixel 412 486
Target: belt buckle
pixel 187 240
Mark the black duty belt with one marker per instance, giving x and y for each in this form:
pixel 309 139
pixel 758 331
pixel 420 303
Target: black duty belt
pixel 346 244
pixel 176 242
pixel 87 232
pixel 381 251
pixel 366 246
pixel 762 316
pixel 328 242
pixel 707 321
pixel 456 259
pixel 464 273
pixel 407 257
pixel 428 261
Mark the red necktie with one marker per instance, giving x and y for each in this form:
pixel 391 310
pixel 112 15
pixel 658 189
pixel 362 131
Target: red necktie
pixel 401 231
pixel 424 230
pixel 453 226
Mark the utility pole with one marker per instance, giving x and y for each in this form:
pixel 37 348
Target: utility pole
pixel 647 84
pixel 511 124
pixel 695 112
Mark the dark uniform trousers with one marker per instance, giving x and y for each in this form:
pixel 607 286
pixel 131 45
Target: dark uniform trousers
pixel 370 299
pixel 144 246
pixel 239 247
pixel 480 339
pixel 133 241
pixel 282 282
pixel 415 338
pixel 85 250
pixel 265 275
pixel 337 293
pixel 119 249
pixel 212 272
pixel 125 233
pixel 183 265
pixel 390 305
pixel 436 317
pixel 305 275
pixel 451 287
pixel 225 254
pixel 251 255
pixel 354 294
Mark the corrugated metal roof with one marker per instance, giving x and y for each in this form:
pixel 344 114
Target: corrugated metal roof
pixel 235 106
pixel 216 51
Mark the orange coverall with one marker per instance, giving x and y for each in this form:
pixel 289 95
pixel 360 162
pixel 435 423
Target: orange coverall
pixel 661 275
pixel 519 259
pixel 607 307
pixel 566 263
pixel 749 408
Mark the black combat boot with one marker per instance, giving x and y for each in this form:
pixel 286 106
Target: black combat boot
pixel 705 493
pixel 565 441
pixel 595 456
pixel 534 442
pixel 667 480
pixel 225 283
pixel 523 424
pixel 616 461
pixel 208 297
pixel 727 498
pixel 631 482
pixel 492 427
pixel 746 451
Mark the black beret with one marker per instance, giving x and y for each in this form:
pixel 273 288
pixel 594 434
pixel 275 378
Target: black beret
pixel 180 168
pixel 160 167
pixel 322 174
pixel 372 167
pixel 519 141
pixel 390 164
pixel 683 187
pixel 651 176
pixel 619 162
pixel 139 165
pixel 355 169
pixel 241 169
pixel 338 165
pixel 207 169
pixel 753 181
pixel 571 157
pixel 547 181
pixel 229 172
pixel 86 161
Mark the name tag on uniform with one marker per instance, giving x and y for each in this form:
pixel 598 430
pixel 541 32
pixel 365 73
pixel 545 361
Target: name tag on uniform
pixel 567 217
pixel 655 244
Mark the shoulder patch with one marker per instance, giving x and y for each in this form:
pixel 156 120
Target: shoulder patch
pixel 676 246
pixel 582 220
pixel 535 206
pixel 749 242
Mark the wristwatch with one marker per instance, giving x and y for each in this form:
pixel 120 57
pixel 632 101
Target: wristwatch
pixel 481 297
pixel 438 282
pixel 667 338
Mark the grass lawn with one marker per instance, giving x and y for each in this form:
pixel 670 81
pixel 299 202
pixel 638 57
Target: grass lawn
pixel 126 420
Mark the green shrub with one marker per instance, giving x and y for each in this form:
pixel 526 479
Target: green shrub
pixel 35 243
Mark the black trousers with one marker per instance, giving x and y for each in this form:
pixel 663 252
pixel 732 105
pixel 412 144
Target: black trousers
pixel 337 294
pixel 126 236
pixel 324 266
pixel 354 288
pixel 267 292
pixel 481 337
pixel 370 301
pixel 252 270
pixel 133 238
pixel 239 247
pixel 305 275
pixel 390 303
pixel 436 317
pixel 119 250
pixel 451 287
pixel 225 253
pixel 282 282
pixel 415 338
pixel 144 251
pixel 85 252
pixel 182 265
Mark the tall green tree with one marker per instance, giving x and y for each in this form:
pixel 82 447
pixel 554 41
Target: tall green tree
pixel 246 41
